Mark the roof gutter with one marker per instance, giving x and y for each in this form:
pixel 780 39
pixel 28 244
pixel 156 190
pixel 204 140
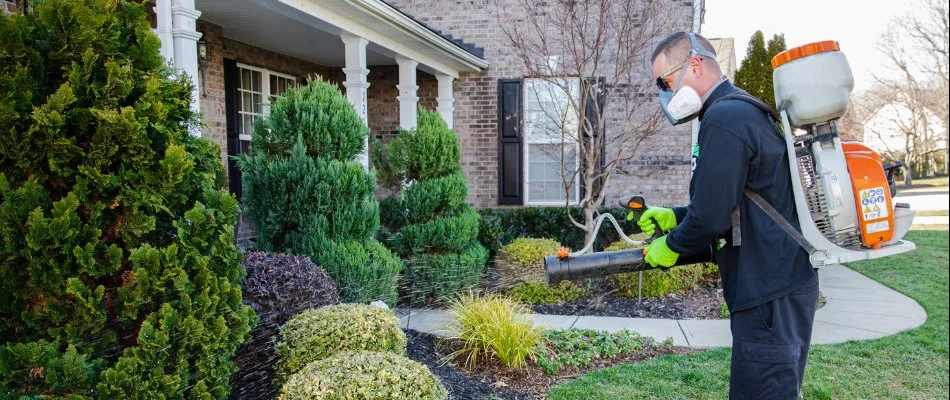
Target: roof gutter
pixel 386 12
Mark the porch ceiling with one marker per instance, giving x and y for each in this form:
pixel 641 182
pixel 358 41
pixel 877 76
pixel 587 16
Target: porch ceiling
pixel 310 30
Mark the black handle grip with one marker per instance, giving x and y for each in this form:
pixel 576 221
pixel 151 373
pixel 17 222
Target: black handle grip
pixel 638 205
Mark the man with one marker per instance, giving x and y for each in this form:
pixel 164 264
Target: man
pixel 768 283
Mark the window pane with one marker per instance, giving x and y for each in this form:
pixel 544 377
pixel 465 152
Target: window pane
pixel 256 102
pixel 274 89
pixel 256 81
pixel 245 79
pixel 246 105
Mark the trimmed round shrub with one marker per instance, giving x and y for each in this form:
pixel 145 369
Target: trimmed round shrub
pixel 305 194
pixel 542 293
pixel 277 286
pixel 120 274
pixel 656 282
pixel 523 260
pixel 364 375
pixel 317 334
pixel 429 224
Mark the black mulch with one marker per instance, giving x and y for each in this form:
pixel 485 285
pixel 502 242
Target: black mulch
pixel 460 385
pixel 701 302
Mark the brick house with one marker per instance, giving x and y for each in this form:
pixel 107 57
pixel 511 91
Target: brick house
pixel 389 56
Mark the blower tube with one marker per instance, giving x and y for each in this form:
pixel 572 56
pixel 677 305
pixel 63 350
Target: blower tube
pixel 605 263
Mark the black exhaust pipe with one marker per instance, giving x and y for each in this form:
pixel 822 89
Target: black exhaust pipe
pixel 606 263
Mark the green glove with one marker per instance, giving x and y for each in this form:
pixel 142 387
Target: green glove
pixel 659 255
pixel 664 216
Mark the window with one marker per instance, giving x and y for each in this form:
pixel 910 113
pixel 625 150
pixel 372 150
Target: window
pixel 252 85
pixel 551 124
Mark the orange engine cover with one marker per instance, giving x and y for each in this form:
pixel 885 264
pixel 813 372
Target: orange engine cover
pixel 872 193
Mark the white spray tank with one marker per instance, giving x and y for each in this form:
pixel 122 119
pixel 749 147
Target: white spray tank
pixel 843 204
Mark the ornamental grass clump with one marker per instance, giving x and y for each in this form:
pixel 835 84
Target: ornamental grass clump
pixel 492 328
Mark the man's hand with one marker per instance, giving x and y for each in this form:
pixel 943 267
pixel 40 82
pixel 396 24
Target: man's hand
pixel 663 216
pixel 658 254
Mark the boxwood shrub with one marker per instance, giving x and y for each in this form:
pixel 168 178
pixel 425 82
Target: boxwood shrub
pixel 656 282
pixel 364 375
pixel 523 261
pixel 316 334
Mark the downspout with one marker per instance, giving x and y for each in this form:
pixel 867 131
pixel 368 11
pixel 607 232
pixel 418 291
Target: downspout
pixel 697 27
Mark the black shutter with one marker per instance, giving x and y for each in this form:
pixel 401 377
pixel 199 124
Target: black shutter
pixel 596 90
pixel 231 77
pixel 510 176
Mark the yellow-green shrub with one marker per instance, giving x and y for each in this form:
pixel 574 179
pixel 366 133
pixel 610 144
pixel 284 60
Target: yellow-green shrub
pixel 656 282
pixel 489 328
pixel 364 375
pixel 523 260
pixel 316 334
pixel 542 293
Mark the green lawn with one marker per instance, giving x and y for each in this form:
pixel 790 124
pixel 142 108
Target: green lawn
pixel 933 213
pixel 909 365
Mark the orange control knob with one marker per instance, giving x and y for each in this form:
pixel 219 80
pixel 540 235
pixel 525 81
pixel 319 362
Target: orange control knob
pixel 563 252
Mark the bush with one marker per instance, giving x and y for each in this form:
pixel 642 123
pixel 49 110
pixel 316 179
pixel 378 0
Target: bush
pixel 489 328
pixel 307 143
pixel 541 293
pixel 120 273
pixel 656 282
pixel 364 375
pixel 501 226
pixel 523 261
pixel 578 348
pixel 277 287
pixel 319 333
pixel 428 224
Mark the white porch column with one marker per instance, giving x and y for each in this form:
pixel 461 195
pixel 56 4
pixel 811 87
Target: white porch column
pixel 407 92
pixel 446 99
pixel 163 28
pixel 185 43
pixel 356 83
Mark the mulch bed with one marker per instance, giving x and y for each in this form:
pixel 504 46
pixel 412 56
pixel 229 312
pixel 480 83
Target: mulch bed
pixel 702 302
pixel 503 383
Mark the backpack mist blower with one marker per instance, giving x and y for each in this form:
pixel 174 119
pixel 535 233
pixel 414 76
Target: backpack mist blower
pixel 843 192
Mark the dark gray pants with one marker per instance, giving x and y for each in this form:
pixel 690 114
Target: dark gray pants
pixel 770 346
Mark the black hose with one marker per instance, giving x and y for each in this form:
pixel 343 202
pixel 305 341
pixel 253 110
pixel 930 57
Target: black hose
pixel 607 263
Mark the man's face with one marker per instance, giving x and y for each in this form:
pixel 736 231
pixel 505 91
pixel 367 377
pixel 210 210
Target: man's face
pixel 667 70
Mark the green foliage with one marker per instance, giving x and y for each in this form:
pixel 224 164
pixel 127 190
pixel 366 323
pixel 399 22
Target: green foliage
pixel 489 328
pixel 501 226
pixel 428 223
pixel 657 282
pixel 523 260
pixel 364 375
pixel 755 72
pixel 724 311
pixel 576 348
pixel 316 334
pixel 541 293
pixel 119 268
pixel 304 194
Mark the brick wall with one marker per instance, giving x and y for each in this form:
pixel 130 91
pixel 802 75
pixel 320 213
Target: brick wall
pixel 659 169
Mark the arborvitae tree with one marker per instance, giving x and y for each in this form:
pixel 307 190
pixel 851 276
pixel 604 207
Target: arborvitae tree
pixel 305 194
pixel 119 272
pixel 755 72
pixel 429 224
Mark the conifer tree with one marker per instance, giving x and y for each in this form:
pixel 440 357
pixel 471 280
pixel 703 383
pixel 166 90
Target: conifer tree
pixel 118 265
pixel 305 194
pixel 429 224
pixel 755 72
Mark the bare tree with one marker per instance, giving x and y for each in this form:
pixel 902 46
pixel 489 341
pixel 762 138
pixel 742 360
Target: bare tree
pixel 915 47
pixel 589 60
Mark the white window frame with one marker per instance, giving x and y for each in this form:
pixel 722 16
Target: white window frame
pixel 528 140
pixel 265 92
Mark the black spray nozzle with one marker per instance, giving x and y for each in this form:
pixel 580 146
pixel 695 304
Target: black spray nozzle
pixel 638 205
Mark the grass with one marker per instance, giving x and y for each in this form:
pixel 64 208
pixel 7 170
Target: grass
pixel 928 182
pixel 909 365
pixel 489 328
pixel 933 213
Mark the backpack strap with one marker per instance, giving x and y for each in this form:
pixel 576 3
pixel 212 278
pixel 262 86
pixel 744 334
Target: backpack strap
pixel 755 197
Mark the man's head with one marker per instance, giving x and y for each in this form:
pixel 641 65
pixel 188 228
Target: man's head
pixel 673 55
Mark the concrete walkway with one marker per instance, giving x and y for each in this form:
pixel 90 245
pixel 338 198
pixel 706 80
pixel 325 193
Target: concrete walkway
pixel 857 308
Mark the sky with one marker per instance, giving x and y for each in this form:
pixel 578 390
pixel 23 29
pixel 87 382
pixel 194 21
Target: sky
pixel 806 21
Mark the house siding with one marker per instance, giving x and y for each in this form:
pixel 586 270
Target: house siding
pixel 660 169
